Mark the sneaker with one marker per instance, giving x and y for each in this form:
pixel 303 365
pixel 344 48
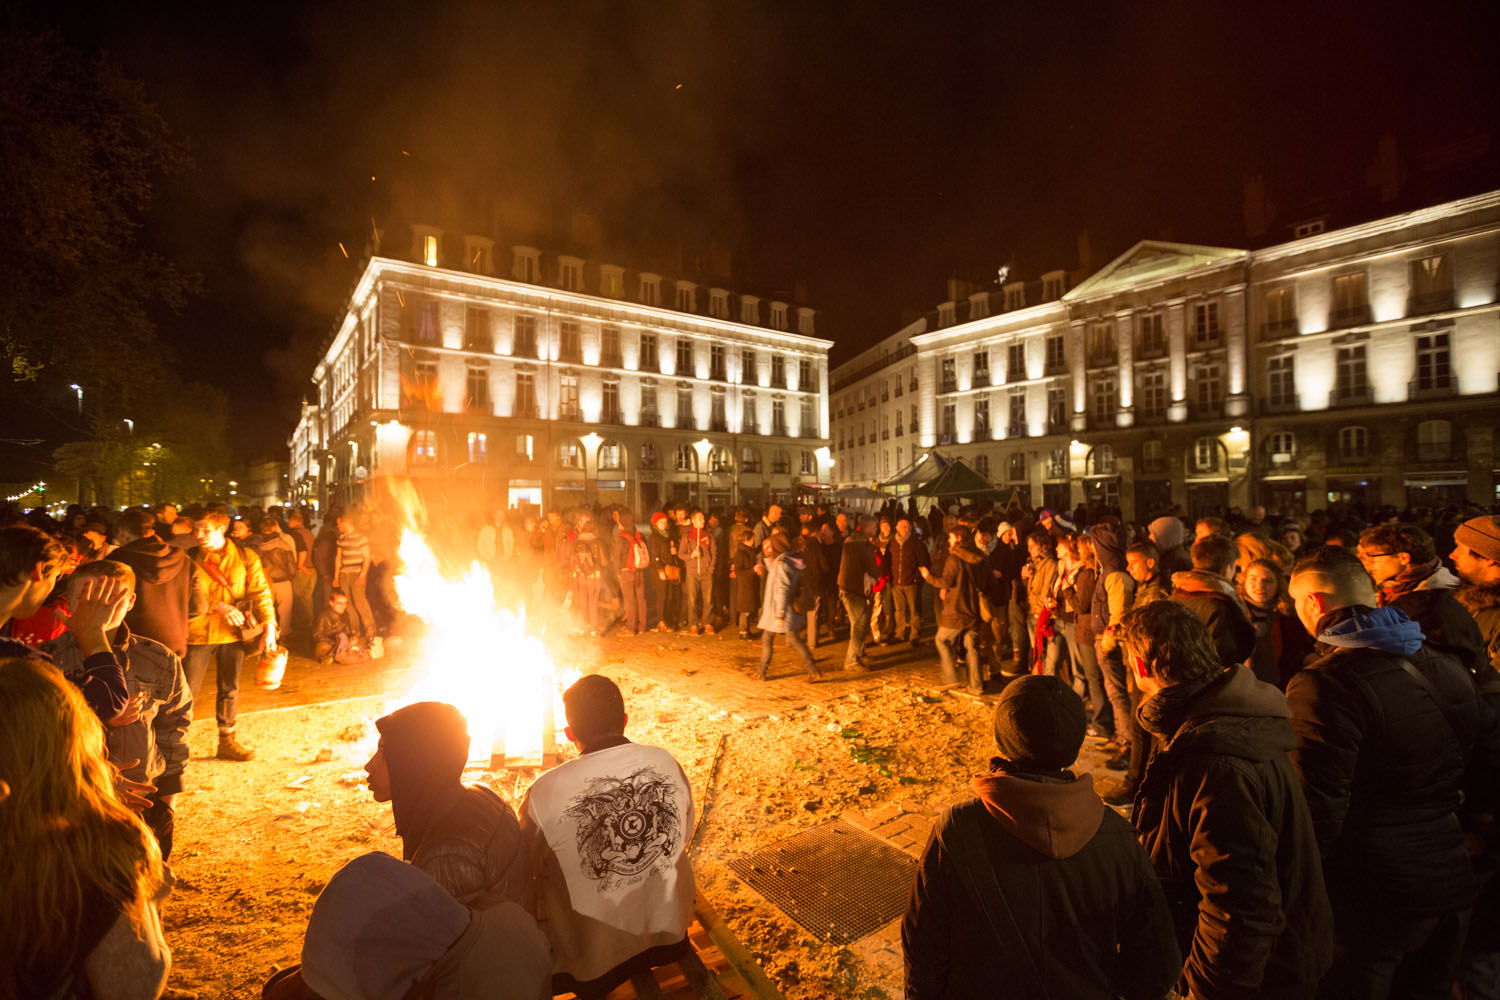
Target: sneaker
pixel 663 627
pixel 231 749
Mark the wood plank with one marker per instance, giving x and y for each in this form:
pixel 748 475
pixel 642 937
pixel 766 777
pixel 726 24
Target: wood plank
pixel 706 985
pixel 759 984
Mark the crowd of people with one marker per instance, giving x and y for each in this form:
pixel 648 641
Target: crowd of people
pixel 1306 715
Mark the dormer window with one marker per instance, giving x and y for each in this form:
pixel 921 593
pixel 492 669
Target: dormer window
pixel 947 313
pixel 527 266
pixel 612 280
pixel 650 289
pixel 430 251
pixel 778 315
pixel 570 274
pixel 805 320
pixel 687 296
pixel 1054 284
pixel 426 241
pixel 979 305
pixel 1015 295
pixel 750 310
pixel 718 303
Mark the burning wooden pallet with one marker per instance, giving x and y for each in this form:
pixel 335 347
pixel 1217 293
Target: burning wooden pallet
pixel 718 968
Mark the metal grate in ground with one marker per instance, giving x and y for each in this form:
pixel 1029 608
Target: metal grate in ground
pixel 835 880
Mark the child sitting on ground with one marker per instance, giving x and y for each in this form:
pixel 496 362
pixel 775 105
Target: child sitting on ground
pixel 333 634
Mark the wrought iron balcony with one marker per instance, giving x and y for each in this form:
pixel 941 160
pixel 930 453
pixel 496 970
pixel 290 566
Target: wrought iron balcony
pixel 1429 302
pixel 1276 329
pixel 1352 395
pixel 1349 316
pixel 1432 386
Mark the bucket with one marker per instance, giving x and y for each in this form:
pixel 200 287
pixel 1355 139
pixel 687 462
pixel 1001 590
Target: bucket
pixel 271 669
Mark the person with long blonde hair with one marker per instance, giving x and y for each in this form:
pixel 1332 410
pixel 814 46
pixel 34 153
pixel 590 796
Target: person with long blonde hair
pixel 82 875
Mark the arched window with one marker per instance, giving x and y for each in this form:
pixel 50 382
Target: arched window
pixel 611 456
pixel 749 459
pixel 1101 460
pixel 685 459
pixel 719 460
pixel 1434 441
pixel 1153 456
pixel 1017 467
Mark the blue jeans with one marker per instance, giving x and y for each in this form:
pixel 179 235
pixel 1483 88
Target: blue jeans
pixel 794 639
pixel 699 597
pixel 1086 665
pixel 227 658
pixel 858 608
pixel 947 639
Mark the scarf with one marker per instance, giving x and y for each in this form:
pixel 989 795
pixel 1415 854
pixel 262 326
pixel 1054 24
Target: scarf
pixel 1164 712
pixel 1406 581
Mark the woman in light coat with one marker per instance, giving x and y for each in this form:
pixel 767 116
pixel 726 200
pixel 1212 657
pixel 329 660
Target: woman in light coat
pixel 778 607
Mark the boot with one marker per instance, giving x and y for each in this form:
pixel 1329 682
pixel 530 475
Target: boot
pixel 231 748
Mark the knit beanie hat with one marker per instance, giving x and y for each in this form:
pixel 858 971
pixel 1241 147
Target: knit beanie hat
pixel 1482 535
pixel 1039 723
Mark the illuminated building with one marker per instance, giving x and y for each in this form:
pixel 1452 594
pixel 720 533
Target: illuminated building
pixel 1357 364
pixel 559 380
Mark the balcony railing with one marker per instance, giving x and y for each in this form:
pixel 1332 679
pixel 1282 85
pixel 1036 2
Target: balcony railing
pixel 1349 316
pixel 569 413
pixel 1432 386
pixel 611 416
pixel 650 418
pixel 948 385
pixel 1015 429
pixel 611 359
pixel 945 439
pixel 1429 302
pixel 1286 403
pixel 1351 395
pixel 1056 366
pixel 1058 426
pixel 981 379
pixel 719 424
pixel 1101 359
pixel 1276 329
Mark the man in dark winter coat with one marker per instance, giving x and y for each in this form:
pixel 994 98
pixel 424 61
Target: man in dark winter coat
pixel 823 555
pixel 907 556
pixel 1208 591
pixel 1086 915
pixel 1223 818
pixel 1408 574
pixel 1476 556
pixel 1384 726
pixel 163 582
pixel 959 620
pixel 858 561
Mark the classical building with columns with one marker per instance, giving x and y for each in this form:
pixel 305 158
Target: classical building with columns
pixel 549 379
pixel 1353 364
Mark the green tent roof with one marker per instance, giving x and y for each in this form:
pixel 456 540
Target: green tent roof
pixel 958 480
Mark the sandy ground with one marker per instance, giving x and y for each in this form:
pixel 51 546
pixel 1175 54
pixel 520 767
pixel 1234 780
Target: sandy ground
pixel 257 841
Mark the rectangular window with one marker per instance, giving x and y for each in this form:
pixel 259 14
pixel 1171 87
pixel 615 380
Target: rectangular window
pixel 1015 363
pixel 748 374
pixel 1351 304
pixel 1433 368
pixel 1281 312
pixel 1354 444
pixel 477 330
pixel 914 425
pixel 423 391
pixel 525 340
pixel 1152 398
pixel 1057 464
pixel 1056 358
pixel 949 379
pixel 684 357
pixel 609 413
pixel 650 291
pixel 1105 401
pixel 896 386
pixel 650 356
pixel 949 425
pixel 1351 379
pixel 778 416
pixel 572 275
pixel 526 447
pixel 1431 285
pixel 1017 416
pixel 567 397
pixel 570 348
pixel 609 346
pixel 1101 344
pixel 805 377
pixel 1057 410
pixel 649 416
pixel 1208 387
pixel 478 448
pixel 1206 324
pixel 749 422
pixel 899 430
pixel 685 299
pixel 718 416
pixel 525 395
pixel 424 448
pixel 1281 381
pixel 1153 335
pixel 981 419
pixel 684 405
pixel 421 315
pixel 477 387
pixel 778 372
pixel 716 366
pixel 809 418
pixel 981 369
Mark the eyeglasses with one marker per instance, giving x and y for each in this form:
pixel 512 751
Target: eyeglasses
pixel 1375 555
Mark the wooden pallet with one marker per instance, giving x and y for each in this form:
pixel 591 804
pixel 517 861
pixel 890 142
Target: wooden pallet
pixel 718 968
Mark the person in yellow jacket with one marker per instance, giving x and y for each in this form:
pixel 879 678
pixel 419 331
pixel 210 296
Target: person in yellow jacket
pixel 227 582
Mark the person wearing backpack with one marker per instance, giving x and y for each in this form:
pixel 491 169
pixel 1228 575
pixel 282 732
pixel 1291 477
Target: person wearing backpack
pixel 632 558
pixel 587 562
pixel 278 557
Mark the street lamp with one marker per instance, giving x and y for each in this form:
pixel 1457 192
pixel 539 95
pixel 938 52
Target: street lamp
pixel 702 447
pixel 130 424
pixel 79 390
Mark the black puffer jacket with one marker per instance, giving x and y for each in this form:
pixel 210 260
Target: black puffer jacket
pixel 1225 823
pixel 1447 626
pixel 1381 765
pixel 1212 599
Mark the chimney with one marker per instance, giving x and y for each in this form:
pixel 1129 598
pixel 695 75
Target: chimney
pixel 1258 210
pixel 1085 252
pixel 1385 170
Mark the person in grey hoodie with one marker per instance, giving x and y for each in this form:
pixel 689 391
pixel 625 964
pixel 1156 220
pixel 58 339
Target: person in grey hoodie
pixel 1223 818
pixel 1170 539
pixel 1385 727
pixel 1034 887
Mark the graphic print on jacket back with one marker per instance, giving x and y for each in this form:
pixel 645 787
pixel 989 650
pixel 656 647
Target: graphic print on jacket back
pixel 626 826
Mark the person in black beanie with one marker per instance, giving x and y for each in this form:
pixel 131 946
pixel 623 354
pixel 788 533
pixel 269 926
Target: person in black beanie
pixel 1036 885
pixel 464 836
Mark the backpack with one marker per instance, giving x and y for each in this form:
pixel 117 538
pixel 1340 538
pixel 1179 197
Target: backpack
pixel 640 555
pixel 583 559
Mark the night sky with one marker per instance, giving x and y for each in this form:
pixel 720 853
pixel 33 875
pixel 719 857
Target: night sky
pixel 869 149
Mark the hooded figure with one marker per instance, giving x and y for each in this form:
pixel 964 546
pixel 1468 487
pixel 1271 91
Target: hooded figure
pixel 163 586
pixel 1088 913
pixel 464 836
pixel 380 928
pixel 1170 539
